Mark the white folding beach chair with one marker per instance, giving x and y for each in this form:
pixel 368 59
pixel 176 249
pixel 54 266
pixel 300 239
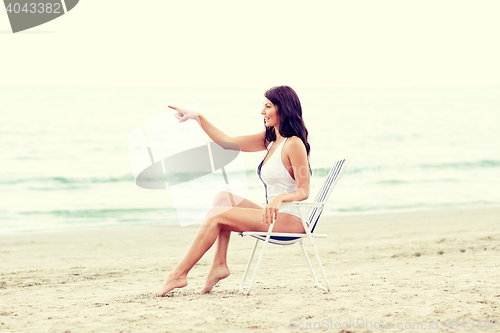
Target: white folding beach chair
pixel 279 238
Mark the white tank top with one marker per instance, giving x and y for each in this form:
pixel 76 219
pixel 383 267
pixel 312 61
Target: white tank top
pixel 276 178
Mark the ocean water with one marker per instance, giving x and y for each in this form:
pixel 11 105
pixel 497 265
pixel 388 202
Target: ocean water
pixel 65 164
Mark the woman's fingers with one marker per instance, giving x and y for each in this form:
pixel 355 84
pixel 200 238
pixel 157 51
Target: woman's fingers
pixel 179 110
pixel 272 210
pixel 181 116
pixel 265 217
pixel 184 114
pixel 269 215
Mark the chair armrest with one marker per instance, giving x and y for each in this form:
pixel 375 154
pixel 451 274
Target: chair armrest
pixel 302 204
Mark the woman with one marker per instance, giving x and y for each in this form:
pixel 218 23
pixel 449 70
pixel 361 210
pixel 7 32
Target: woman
pixel 284 171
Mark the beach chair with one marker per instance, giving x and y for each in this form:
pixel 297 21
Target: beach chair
pixel 315 209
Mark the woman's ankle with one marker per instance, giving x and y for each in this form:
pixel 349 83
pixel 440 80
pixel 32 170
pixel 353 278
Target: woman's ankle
pixel 177 274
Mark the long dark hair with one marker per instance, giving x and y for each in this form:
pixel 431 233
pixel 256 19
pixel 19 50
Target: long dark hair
pixel 290 113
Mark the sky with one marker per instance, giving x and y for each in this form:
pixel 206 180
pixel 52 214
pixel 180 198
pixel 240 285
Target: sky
pixel 259 43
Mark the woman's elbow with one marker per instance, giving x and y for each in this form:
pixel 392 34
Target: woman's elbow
pixel 305 193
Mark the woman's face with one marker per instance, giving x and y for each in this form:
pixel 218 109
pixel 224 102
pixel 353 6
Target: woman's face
pixel 270 113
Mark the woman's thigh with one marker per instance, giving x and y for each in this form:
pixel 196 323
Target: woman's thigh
pixel 223 201
pixel 249 219
pixel 230 199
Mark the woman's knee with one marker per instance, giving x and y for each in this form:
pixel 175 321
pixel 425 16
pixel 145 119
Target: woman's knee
pixel 214 213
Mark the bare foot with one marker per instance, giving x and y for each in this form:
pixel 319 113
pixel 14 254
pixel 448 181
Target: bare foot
pixel 172 282
pixel 216 274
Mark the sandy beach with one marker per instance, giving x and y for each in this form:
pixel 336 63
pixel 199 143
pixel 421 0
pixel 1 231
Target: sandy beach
pixel 409 268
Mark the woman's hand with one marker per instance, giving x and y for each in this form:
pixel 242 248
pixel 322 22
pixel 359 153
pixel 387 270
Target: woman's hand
pixel 270 212
pixel 184 114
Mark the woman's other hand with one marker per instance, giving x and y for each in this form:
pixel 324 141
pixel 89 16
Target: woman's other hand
pixel 184 114
pixel 270 212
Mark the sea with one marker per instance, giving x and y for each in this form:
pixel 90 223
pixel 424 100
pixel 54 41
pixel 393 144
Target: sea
pixel 66 161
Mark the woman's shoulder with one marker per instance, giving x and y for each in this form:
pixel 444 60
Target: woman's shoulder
pixel 294 143
pixel 294 140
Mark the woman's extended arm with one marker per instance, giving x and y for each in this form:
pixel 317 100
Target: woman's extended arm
pixel 247 143
pixel 296 151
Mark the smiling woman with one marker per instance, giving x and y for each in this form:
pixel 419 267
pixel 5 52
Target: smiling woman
pixel 281 171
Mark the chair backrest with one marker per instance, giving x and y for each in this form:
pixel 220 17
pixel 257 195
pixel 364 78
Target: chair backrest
pixel 325 191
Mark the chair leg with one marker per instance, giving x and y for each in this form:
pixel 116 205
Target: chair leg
pixel 310 237
pixel 260 259
pixel 256 269
pixel 319 264
pixel 248 268
pixel 308 263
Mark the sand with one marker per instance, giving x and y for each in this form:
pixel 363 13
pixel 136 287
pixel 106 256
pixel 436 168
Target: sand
pixel 402 268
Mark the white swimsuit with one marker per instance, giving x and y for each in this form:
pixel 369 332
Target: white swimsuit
pixel 276 178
